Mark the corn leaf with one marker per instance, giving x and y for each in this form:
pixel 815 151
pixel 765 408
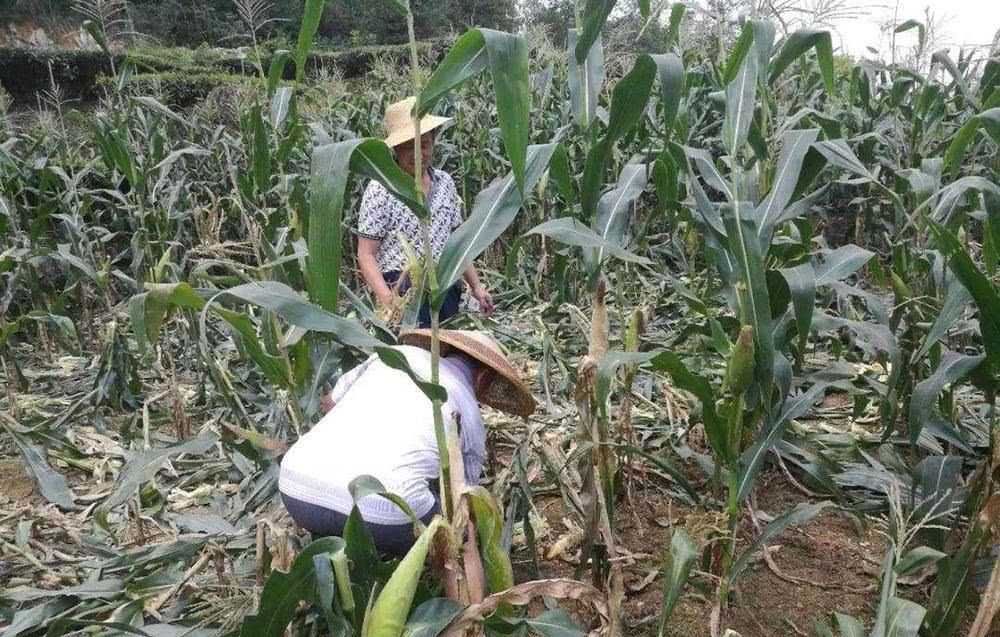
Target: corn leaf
pixel 741 94
pixel 745 249
pixel 332 164
pixel 803 512
pixel 613 208
pixel 794 146
pixel 289 305
pixel 683 553
pixel 923 403
pixel 802 285
pixel 983 292
pixel 753 458
pixel 494 210
pixel 841 263
pixel 432 617
pixel 734 63
pixel 796 45
pixel 277 70
pixel 283 591
pixel 988 120
pixel 715 426
pixel 507 55
pixel 311 16
pixel 51 483
pixel 388 614
pixel 628 103
pixel 571 232
pixel 595 14
pixel 955 303
pixel 585 79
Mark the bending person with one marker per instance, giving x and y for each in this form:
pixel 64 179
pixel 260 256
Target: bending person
pixel 382 425
pixel 386 225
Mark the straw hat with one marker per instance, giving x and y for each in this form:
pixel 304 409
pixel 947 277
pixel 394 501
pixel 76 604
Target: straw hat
pixel 398 122
pixel 507 392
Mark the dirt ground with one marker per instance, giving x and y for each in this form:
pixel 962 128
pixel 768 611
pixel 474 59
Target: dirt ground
pixel 823 566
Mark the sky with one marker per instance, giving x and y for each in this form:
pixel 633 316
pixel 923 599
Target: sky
pixel 960 22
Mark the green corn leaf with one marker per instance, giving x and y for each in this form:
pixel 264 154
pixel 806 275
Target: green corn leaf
pixel 838 153
pixel 51 483
pixel 794 146
pixel 674 24
pixel 628 103
pixel 396 360
pixel 388 614
pixel 904 618
pixel 917 558
pixel 923 403
pixel 763 41
pixel 281 104
pixel 261 154
pixel 955 303
pixel 494 210
pixel 585 79
pixel 158 106
pixel 796 45
pixel 507 56
pixel 802 285
pixel 752 459
pixel 842 263
pixel 554 623
pixel 983 292
pixel 283 591
pixel 276 70
pixel 683 553
pixel 670 71
pixel 943 59
pixel 988 120
pixel 715 426
pixel 365 485
pixel 571 232
pixel 741 95
pixel 311 16
pixel 289 305
pixel 914 24
pixel 613 208
pixel 432 617
pixel 595 14
pixel 644 9
pixel 745 249
pixel 141 468
pixel 738 53
pixel 803 512
pixel 332 164
pixel 31 619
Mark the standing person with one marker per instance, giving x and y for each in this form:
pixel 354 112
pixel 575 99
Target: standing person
pixel 381 424
pixel 386 225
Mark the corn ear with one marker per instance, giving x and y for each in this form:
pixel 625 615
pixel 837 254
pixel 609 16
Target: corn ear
pixel 739 370
pixel 388 614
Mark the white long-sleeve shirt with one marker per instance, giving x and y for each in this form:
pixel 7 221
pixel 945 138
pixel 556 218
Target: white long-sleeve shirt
pixel 382 425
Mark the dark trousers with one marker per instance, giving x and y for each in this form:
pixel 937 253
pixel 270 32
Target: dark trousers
pixel 449 308
pixel 393 539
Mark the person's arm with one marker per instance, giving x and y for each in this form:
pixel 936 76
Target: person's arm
pixel 344 383
pixel 367 251
pixel 477 290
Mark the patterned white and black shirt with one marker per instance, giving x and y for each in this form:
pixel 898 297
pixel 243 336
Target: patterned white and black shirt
pixel 384 218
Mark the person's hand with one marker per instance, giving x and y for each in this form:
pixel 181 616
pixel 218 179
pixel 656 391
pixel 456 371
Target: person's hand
pixel 385 298
pixel 326 402
pixel 485 300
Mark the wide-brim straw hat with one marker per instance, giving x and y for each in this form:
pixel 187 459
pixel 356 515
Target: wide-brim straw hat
pixel 507 392
pixel 398 122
